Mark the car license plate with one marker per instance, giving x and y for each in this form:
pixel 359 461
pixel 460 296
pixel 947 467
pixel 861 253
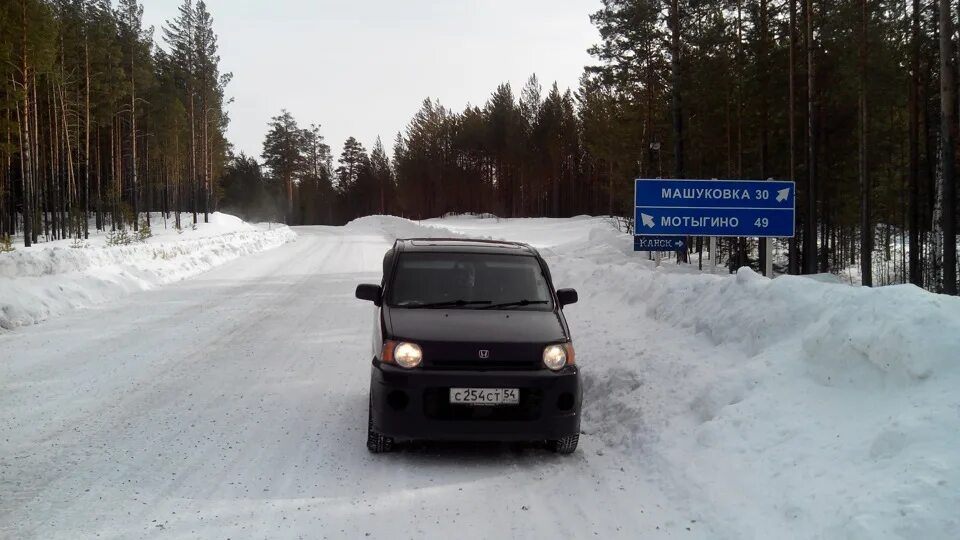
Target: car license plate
pixel 485 396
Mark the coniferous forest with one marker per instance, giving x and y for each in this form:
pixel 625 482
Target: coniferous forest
pixel 99 124
pixel 855 101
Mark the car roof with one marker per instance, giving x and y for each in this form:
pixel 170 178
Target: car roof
pixel 464 245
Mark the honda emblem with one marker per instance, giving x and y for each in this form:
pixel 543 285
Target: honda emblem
pixel 484 353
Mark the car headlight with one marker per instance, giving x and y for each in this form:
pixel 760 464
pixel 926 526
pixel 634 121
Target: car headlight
pixel 407 354
pixel 555 357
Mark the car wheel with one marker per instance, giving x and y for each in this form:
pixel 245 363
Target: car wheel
pixel 377 443
pixel 566 445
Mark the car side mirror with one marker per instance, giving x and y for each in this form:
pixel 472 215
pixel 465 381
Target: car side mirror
pixel 368 291
pixel 567 296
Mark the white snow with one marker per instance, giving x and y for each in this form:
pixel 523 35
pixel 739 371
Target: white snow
pixel 233 404
pixel 51 278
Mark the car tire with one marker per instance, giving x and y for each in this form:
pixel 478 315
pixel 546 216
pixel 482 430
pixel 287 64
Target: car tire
pixel 566 445
pixel 376 442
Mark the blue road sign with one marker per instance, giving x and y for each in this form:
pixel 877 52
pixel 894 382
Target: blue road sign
pixel 659 243
pixel 714 208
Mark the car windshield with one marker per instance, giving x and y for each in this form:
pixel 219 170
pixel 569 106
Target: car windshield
pixel 469 281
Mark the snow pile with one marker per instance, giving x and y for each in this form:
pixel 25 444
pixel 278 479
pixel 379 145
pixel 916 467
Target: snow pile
pixel 538 232
pixel 392 228
pixel 52 278
pixel 897 335
pixel 792 407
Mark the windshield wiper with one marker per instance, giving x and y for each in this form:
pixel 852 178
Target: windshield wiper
pixel 517 303
pixel 451 303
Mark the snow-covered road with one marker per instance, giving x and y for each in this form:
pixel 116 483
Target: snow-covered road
pixel 233 405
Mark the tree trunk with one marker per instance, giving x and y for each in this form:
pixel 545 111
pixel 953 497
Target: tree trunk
pixel 24 185
pixel 86 152
pixel 916 277
pixel 54 181
pixel 177 206
pixel 113 177
pixel 26 161
pixel 947 118
pixel 100 223
pixel 135 195
pixel 677 105
pixel 37 184
pixel 206 165
pixel 609 187
pixel 289 218
pixel 740 242
pixel 70 199
pixel 794 256
pixel 764 117
pixel 148 204
pixel 810 226
pixel 6 193
pixel 866 220
pixel 193 159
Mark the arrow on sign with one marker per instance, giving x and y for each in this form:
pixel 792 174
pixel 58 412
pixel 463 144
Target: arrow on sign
pixel 647 220
pixel 783 194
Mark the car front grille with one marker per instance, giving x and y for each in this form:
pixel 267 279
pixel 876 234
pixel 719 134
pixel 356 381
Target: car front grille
pixel 484 365
pixel 482 356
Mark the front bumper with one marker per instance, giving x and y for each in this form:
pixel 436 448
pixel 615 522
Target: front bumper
pixel 415 404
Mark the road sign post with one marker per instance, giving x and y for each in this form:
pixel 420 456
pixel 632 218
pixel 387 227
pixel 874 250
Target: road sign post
pixel 714 208
pixel 768 259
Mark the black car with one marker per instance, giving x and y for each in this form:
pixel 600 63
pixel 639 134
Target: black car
pixel 470 343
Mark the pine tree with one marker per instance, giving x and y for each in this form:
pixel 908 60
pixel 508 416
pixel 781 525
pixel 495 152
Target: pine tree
pixel 181 35
pixel 351 159
pixel 210 85
pixel 316 191
pixel 282 154
pixel 382 175
pixel 137 43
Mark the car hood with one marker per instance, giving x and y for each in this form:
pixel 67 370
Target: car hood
pixel 474 325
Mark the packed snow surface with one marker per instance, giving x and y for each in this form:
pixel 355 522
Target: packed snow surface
pixel 233 405
pixel 51 278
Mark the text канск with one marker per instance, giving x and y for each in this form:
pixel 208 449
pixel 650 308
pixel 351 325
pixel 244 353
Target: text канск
pixel 659 243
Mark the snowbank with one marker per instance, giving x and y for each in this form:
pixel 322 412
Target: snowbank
pixel 787 408
pixel 392 227
pixel 538 232
pixel 52 278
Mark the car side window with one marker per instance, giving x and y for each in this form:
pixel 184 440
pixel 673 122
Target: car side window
pixel 387 265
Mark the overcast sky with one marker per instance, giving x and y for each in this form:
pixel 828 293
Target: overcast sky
pixel 363 67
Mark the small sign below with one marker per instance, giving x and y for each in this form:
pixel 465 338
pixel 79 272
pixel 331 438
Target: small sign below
pixel 659 243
